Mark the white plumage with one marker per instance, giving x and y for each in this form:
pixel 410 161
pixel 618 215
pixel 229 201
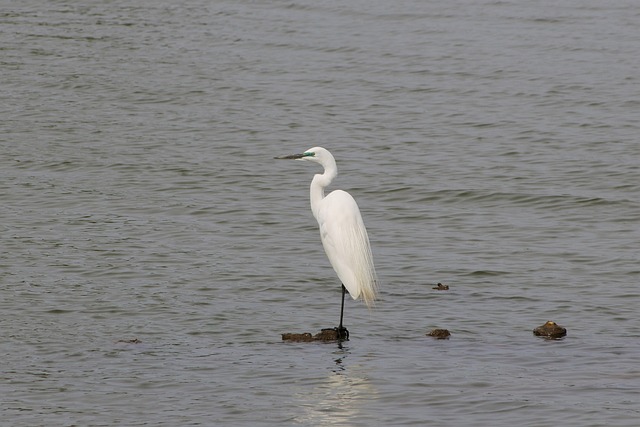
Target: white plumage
pixel 346 244
pixel 342 230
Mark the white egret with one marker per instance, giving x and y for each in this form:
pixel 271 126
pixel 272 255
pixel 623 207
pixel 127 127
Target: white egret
pixel 342 231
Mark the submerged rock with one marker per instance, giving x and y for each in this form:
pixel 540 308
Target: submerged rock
pixel 550 330
pixel 305 337
pixel 441 287
pixel 440 334
pixel 324 335
pixel 131 341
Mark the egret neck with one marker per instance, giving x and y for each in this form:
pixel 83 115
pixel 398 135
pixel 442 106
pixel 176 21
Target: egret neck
pixel 320 182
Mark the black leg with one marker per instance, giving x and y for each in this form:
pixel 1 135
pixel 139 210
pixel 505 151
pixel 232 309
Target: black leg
pixel 343 333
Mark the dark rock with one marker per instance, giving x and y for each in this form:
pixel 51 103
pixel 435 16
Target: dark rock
pixel 324 335
pixel 440 334
pixel 305 337
pixel 132 341
pixel 550 330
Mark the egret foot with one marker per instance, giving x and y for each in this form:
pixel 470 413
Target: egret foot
pixel 342 333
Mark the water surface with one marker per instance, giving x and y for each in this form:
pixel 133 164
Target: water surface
pixel 491 146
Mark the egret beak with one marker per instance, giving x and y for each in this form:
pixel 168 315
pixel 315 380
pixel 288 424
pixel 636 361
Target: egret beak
pixel 291 156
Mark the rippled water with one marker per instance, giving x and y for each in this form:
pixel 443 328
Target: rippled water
pixel 492 146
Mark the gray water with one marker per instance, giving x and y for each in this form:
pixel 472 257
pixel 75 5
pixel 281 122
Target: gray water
pixel 491 145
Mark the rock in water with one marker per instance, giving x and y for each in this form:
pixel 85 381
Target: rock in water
pixel 550 330
pixel 131 341
pixel 440 334
pixel 324 335
pixel 304 337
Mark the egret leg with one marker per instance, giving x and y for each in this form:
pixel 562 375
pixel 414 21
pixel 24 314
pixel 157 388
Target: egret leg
pixel 342 332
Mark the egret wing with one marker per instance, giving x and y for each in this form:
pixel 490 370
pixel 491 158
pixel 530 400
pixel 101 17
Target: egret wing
pixel 346 244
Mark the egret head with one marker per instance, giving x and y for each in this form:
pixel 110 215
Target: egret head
pixel 315 154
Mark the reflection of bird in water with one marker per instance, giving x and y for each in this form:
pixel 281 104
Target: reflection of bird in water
pixel 339 399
